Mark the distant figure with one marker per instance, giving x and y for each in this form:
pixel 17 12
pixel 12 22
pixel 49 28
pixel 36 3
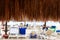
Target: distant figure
pixel 44 27
pixel 33 35
pixel 22 29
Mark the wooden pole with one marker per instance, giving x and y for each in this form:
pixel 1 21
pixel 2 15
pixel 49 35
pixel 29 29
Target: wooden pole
pixel 5 35
pixel 6 28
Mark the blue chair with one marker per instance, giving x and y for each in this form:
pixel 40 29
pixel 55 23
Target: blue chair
pixel 57 30
pixel 53 28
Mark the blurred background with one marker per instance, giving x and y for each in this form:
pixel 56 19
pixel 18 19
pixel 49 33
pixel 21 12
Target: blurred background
pixel 30 19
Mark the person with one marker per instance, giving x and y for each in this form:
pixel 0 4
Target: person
pixel 33 35
pixel 22 30
pixel 44 27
